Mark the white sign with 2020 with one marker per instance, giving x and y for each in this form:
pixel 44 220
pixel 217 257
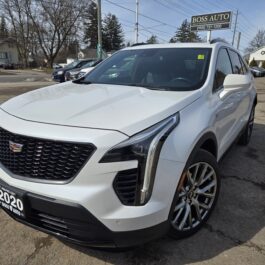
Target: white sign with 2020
pixel 10 202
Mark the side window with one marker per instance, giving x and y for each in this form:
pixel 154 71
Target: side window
pixel 237 66
pixel 243 64
pixel 223 68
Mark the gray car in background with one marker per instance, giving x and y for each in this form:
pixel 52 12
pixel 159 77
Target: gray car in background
pixel 257 71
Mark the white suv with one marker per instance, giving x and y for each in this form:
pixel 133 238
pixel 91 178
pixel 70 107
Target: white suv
pixel 129 152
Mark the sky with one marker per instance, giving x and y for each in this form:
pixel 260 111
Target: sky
pixel 164 16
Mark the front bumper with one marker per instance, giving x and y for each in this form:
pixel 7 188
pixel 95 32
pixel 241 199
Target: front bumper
pixel 58 78
pixel 91 191
pixel 73 223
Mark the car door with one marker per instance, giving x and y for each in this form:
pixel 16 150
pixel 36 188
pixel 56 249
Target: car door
pixel 226 108
pixel 243 93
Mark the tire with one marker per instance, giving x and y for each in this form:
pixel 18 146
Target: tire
pixel 246 135
pixel 192 204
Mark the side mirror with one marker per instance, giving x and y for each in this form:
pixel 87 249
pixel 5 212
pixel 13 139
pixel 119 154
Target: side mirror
pixel 235 81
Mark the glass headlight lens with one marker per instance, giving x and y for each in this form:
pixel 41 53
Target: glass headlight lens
pixel 144 147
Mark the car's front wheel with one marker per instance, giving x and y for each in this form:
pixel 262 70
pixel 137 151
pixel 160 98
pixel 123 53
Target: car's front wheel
pixel 196 195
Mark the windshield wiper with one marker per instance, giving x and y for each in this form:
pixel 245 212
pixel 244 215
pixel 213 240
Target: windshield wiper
pixel 146 86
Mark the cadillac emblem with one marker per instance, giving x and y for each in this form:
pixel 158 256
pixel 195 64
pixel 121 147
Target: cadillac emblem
pixel 15 147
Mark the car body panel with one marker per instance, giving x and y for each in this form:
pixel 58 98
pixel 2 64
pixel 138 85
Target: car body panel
pixel 96 105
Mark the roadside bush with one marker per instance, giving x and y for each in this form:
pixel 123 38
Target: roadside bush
pixel 253 63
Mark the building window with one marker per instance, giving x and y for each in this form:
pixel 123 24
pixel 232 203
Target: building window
pixel 3 55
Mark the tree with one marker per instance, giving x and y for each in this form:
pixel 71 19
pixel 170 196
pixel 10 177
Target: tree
pixel 20 26
pixel 112 33
pixel 152 40
pixel 257 42
pixel 3 28
pixel 54 22
pixel 91 26
pixel 184 34
pixel 253 63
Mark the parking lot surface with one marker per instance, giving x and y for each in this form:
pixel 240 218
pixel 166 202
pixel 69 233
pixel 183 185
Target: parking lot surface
pixel 235 234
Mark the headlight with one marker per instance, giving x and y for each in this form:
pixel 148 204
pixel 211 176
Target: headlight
pixel 60 73
pixel 144 147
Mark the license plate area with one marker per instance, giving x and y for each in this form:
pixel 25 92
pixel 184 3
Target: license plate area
pixel 11 201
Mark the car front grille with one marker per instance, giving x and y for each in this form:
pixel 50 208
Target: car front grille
pixel 125 185
pixel 42 159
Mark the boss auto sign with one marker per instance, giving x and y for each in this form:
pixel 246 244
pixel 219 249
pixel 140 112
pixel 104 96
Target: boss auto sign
pixel 211 21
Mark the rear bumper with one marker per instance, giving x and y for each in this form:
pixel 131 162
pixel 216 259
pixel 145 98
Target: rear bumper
pixel 73 223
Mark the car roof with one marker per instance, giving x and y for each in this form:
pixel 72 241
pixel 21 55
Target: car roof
pixel 180 45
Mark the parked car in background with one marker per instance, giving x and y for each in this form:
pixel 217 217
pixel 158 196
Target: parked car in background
pixel 86 70
pixel 129 152
pixel 58 75
pixel 56 66
pixel 257 71
pixel 74 73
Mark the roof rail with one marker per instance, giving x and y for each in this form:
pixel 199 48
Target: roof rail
pixel 138 44
pixel 218 40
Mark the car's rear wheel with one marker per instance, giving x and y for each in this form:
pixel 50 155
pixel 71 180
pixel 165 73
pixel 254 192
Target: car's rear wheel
pixel 246 136
pixel 196 195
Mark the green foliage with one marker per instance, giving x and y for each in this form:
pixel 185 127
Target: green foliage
pixel 91 26
pixel 152 40
pixel 112 33
pixel 253 63
pixel 184 34
pixel 3 28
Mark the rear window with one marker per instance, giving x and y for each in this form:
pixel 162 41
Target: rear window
pixel 176 69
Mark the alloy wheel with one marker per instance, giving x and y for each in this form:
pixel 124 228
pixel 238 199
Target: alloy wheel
pixel 197 192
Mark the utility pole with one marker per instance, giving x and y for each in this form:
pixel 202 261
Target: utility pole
pixel 99 46
pixel 137 21
pixel 238 40
pixel 234 33
pixel 209 36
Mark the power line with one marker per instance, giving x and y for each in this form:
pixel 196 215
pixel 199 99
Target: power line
pixel 170 8
pixel 140 14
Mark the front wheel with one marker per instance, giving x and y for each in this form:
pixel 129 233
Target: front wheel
pixel 196 195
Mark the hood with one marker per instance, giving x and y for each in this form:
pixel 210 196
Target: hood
pixel 123 108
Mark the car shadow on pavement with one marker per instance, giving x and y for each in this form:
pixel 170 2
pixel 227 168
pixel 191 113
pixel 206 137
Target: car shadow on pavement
pixel 236 221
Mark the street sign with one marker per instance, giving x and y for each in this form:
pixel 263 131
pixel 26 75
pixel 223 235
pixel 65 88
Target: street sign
pixel 211 21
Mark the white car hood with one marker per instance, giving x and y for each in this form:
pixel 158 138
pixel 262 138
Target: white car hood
pixel 122 108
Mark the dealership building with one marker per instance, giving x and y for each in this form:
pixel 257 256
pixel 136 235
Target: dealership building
pixel 258 56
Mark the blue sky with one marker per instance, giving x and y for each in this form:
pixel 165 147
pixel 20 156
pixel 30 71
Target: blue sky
pixel 167 15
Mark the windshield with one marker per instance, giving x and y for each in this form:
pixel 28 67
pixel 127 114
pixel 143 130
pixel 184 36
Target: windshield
pixel 72 64
pixel 89 64
pixel 177 69
pixel 258 68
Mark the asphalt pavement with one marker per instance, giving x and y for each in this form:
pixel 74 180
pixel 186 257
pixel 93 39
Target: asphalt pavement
pixel 235 233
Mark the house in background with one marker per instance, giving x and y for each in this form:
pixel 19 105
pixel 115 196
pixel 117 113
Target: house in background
pixel 258 55
pixel 8 52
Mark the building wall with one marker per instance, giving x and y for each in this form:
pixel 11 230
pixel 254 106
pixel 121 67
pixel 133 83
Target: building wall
pixel 11 51
pixel 258 56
